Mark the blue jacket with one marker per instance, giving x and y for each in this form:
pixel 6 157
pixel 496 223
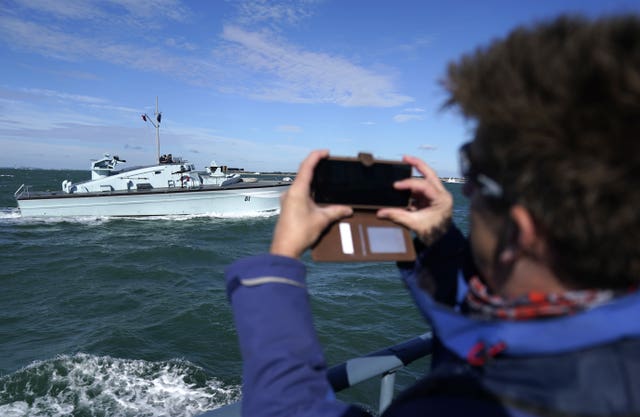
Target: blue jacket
pixel 587 364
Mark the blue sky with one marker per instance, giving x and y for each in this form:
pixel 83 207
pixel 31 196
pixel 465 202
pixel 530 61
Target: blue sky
pixel 248 83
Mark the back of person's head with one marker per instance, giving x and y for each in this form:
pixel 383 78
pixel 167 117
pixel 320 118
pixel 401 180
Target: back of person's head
pixel 557 107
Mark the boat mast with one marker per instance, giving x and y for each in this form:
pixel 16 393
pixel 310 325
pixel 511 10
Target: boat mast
pixel 158 128
pixel 156 124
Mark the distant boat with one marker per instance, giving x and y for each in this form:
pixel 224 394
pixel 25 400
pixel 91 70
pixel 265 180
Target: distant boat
pixel 454 180
pixel 171 187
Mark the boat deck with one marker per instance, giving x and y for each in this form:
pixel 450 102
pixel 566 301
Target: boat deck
pixel 25 194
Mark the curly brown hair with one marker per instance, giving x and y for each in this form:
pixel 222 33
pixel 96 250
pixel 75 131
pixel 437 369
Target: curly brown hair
pixel 557 107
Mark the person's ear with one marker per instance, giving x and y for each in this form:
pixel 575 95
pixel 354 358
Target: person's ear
pixel 520 235
pixel 528 238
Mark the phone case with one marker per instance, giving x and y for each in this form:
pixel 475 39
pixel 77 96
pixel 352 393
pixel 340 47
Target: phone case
pixel 364 238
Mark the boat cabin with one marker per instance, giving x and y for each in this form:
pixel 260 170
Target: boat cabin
pixel 105 167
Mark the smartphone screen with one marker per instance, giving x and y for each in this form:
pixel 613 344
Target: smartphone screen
pixel 350 182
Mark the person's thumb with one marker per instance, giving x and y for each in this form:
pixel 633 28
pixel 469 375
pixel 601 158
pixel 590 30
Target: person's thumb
pixel 397 215
pixel 336 212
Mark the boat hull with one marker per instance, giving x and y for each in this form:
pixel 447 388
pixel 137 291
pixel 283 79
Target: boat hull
pixel 241 200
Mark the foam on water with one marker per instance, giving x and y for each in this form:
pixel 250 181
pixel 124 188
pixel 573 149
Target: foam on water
pixel 13 216
pixel 212 215
pixel 9 213
pixel 88 385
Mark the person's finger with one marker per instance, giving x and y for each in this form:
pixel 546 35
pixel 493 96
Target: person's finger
pixel 422 192
pixel 428 172
pixel 336 212
pixel 417 185
pixel 305 171
pixel 400 216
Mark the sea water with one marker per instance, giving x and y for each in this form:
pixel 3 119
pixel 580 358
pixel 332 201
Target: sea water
pixel 129 317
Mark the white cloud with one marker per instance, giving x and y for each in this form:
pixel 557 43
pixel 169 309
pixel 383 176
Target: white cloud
pixel 53 42
pixel 100 10
pixel 180 44
pixel 27 112
pixel 158 9
pixel 275 70
pixel 403 118
pixel 252 12
pixel 64 9
pixel 289 74
pixel 409 114
pixel 41 39
pixel 417 44
pixel 264 66
pixel 63 96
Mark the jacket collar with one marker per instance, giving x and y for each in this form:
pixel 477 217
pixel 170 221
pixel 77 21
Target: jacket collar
pixel 463 335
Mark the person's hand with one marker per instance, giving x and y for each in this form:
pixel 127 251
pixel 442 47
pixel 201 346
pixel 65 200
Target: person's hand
pixel 431 205
pixel 301 220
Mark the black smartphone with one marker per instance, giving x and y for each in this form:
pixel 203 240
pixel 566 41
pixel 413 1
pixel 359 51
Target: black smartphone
pixel 360 182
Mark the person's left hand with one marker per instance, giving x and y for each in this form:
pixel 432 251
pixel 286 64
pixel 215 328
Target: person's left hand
pixel 301 220
pixel 431 209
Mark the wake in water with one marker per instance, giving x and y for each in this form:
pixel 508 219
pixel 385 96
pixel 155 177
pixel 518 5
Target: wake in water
pixel 87 385
pixel 9 213
pixel 13 215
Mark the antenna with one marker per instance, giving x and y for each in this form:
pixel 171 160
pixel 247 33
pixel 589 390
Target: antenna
pixel 156 123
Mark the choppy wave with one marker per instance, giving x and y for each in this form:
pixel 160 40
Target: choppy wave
pixel 88 385
pixel 149 288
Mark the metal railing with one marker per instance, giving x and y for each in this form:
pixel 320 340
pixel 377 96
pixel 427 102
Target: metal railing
pixel 383 363
pixel 22 190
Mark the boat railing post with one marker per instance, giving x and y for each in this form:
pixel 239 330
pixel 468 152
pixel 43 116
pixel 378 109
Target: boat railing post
pixel 20 191
pixel 383 363
pixel 387 386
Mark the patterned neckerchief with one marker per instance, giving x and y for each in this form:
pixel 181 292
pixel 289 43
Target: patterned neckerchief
pixel 533 305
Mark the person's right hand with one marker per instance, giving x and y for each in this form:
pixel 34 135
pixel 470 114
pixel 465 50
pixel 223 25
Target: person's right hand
pixel 301 220
pixel 431 206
